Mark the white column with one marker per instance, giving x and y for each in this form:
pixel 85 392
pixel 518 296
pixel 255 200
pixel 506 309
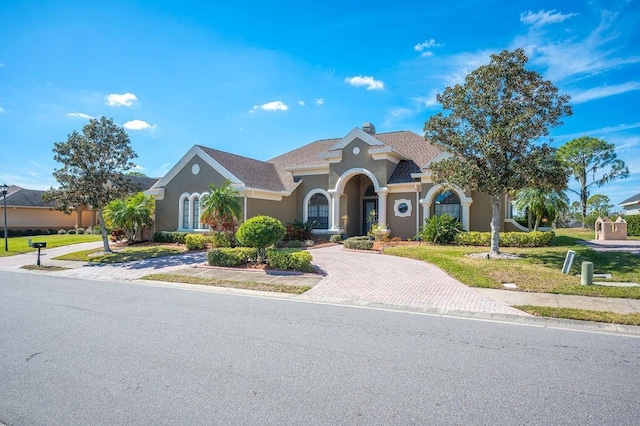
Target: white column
pixel 466 207
pixel 382 209
pixel 335 211
pixel 426 210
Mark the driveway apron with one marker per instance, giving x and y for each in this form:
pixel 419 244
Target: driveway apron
pixel 372 277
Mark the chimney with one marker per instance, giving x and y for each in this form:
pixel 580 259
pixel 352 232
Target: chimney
pixel 369 128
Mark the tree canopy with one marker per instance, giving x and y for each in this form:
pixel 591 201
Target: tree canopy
pixel 492 122
pixel 221 208
pixel 94 164
pixel 541 203
pixel 588 157
pixel 130 214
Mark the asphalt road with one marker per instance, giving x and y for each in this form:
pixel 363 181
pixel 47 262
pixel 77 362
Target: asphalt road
pixel 91 352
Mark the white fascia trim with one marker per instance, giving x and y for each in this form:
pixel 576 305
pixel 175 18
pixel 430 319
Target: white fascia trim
pixel 386 153
pixel 308 170
pixel 193 152
pixel 356 133
pixel 331 157
pixel 424 177
pixel 630 203
pixel 156 193
pixel 403 187
pixel 441 156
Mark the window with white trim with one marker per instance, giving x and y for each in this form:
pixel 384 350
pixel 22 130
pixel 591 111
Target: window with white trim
pixel 318 211
pixel 196 213
pixel 185 213
pixel 448 202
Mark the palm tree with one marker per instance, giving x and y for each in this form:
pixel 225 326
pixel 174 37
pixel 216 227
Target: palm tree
pixel 540 201
pixel 130 214
pixel 221 208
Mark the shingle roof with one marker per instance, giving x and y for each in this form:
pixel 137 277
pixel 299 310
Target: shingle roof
pixel 20 197
pixel 634 199
pixel 253 173
pixel 141 183
pixel 411 145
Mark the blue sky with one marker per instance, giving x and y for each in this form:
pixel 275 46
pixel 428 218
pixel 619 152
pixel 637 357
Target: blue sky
pixel 261 78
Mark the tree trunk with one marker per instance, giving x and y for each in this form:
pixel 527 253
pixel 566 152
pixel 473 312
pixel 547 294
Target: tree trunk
pixel 535 227
pixel 529 218
pixel 103 228
pixel 583 199
pixel 495 225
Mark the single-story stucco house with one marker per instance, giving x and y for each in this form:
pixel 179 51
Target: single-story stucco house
pixel 27 210
pixel 333 183
pixel 631 205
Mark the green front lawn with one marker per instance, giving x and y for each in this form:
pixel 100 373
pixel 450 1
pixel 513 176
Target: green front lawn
pixel 581 314
pixel 123 255
pixel 539 270
pixel 247 285
pixel 19 245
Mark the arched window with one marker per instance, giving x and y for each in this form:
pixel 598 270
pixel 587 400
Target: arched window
pixel 448 202
pixel 318 211
pixel 196 213
pixel 370 191
pixel 185 213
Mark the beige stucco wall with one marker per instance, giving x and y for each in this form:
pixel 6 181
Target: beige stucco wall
pixel 36 218
pixel 184 181
pixel 284 210
pixel 381 169
pixel 403 227
pixel 307 184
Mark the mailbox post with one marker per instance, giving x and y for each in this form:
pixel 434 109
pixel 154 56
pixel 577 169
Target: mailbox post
pixel 39 246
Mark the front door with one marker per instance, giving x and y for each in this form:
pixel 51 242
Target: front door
pixel 369 218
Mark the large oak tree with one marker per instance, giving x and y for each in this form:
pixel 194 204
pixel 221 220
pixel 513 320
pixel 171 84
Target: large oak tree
pixel 94 164
pixel 490 126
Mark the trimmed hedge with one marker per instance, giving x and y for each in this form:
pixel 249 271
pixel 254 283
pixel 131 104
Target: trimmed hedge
pixel 633 225
pixel 170 237
pixel 297 260
pixel 507 239
pixel 195 242
pixel 232 256
pixel 336 238
pixel 358 243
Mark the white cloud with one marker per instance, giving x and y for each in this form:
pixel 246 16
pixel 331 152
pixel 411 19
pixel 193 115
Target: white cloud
pixel 126 99
pixel 542 18
pixel 370 82
pixel 1 110
pixel 79 115
pixel 428 44
pixel 137 125
pixel 319 101
pixel 301 103
pixel 271 106
pixel 603 92
pixel 597 132
pixel 426 54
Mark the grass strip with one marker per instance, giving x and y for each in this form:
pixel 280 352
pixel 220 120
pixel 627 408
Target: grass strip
pixel 581 314
pixel 125 255
pixel 45 268
pixel 246 285
pixel 20 245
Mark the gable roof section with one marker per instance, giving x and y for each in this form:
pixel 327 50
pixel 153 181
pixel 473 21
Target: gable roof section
pixel 631 200
pixel 416 152
pixel 241 171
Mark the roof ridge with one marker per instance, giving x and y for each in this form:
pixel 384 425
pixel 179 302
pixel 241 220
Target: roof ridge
pixel 232 154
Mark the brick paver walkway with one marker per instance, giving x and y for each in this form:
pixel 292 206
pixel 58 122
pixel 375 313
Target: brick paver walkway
pixel 372 277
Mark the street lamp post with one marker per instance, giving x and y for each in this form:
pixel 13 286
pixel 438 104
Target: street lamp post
pixel 5 189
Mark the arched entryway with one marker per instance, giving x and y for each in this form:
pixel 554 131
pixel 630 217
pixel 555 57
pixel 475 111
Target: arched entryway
pixel 358 202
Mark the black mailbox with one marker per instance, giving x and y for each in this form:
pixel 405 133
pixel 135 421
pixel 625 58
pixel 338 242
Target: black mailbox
pixel 38 246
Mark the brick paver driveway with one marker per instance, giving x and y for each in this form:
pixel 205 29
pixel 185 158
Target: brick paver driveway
pixel 372 277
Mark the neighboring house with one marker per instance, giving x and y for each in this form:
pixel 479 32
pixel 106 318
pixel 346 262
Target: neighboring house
pixel 27 210
pixel 333 183
pixel 631 205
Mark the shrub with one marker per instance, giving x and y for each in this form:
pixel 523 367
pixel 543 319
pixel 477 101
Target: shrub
pixel 170 237
pixel 507 239
pixel 260 232
pixel 336 238
pixel 309 243
pixel 358 243
pixel 231 256
pixel 441 229
pixel 80 231
pixel 72 232
pixel 294 244
pixel 116 234
pixel 61 232
pixel 299 231
pixel 88 231
pixel 633 225
pixel 297 260
pixel 195 242
pixel 218 239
